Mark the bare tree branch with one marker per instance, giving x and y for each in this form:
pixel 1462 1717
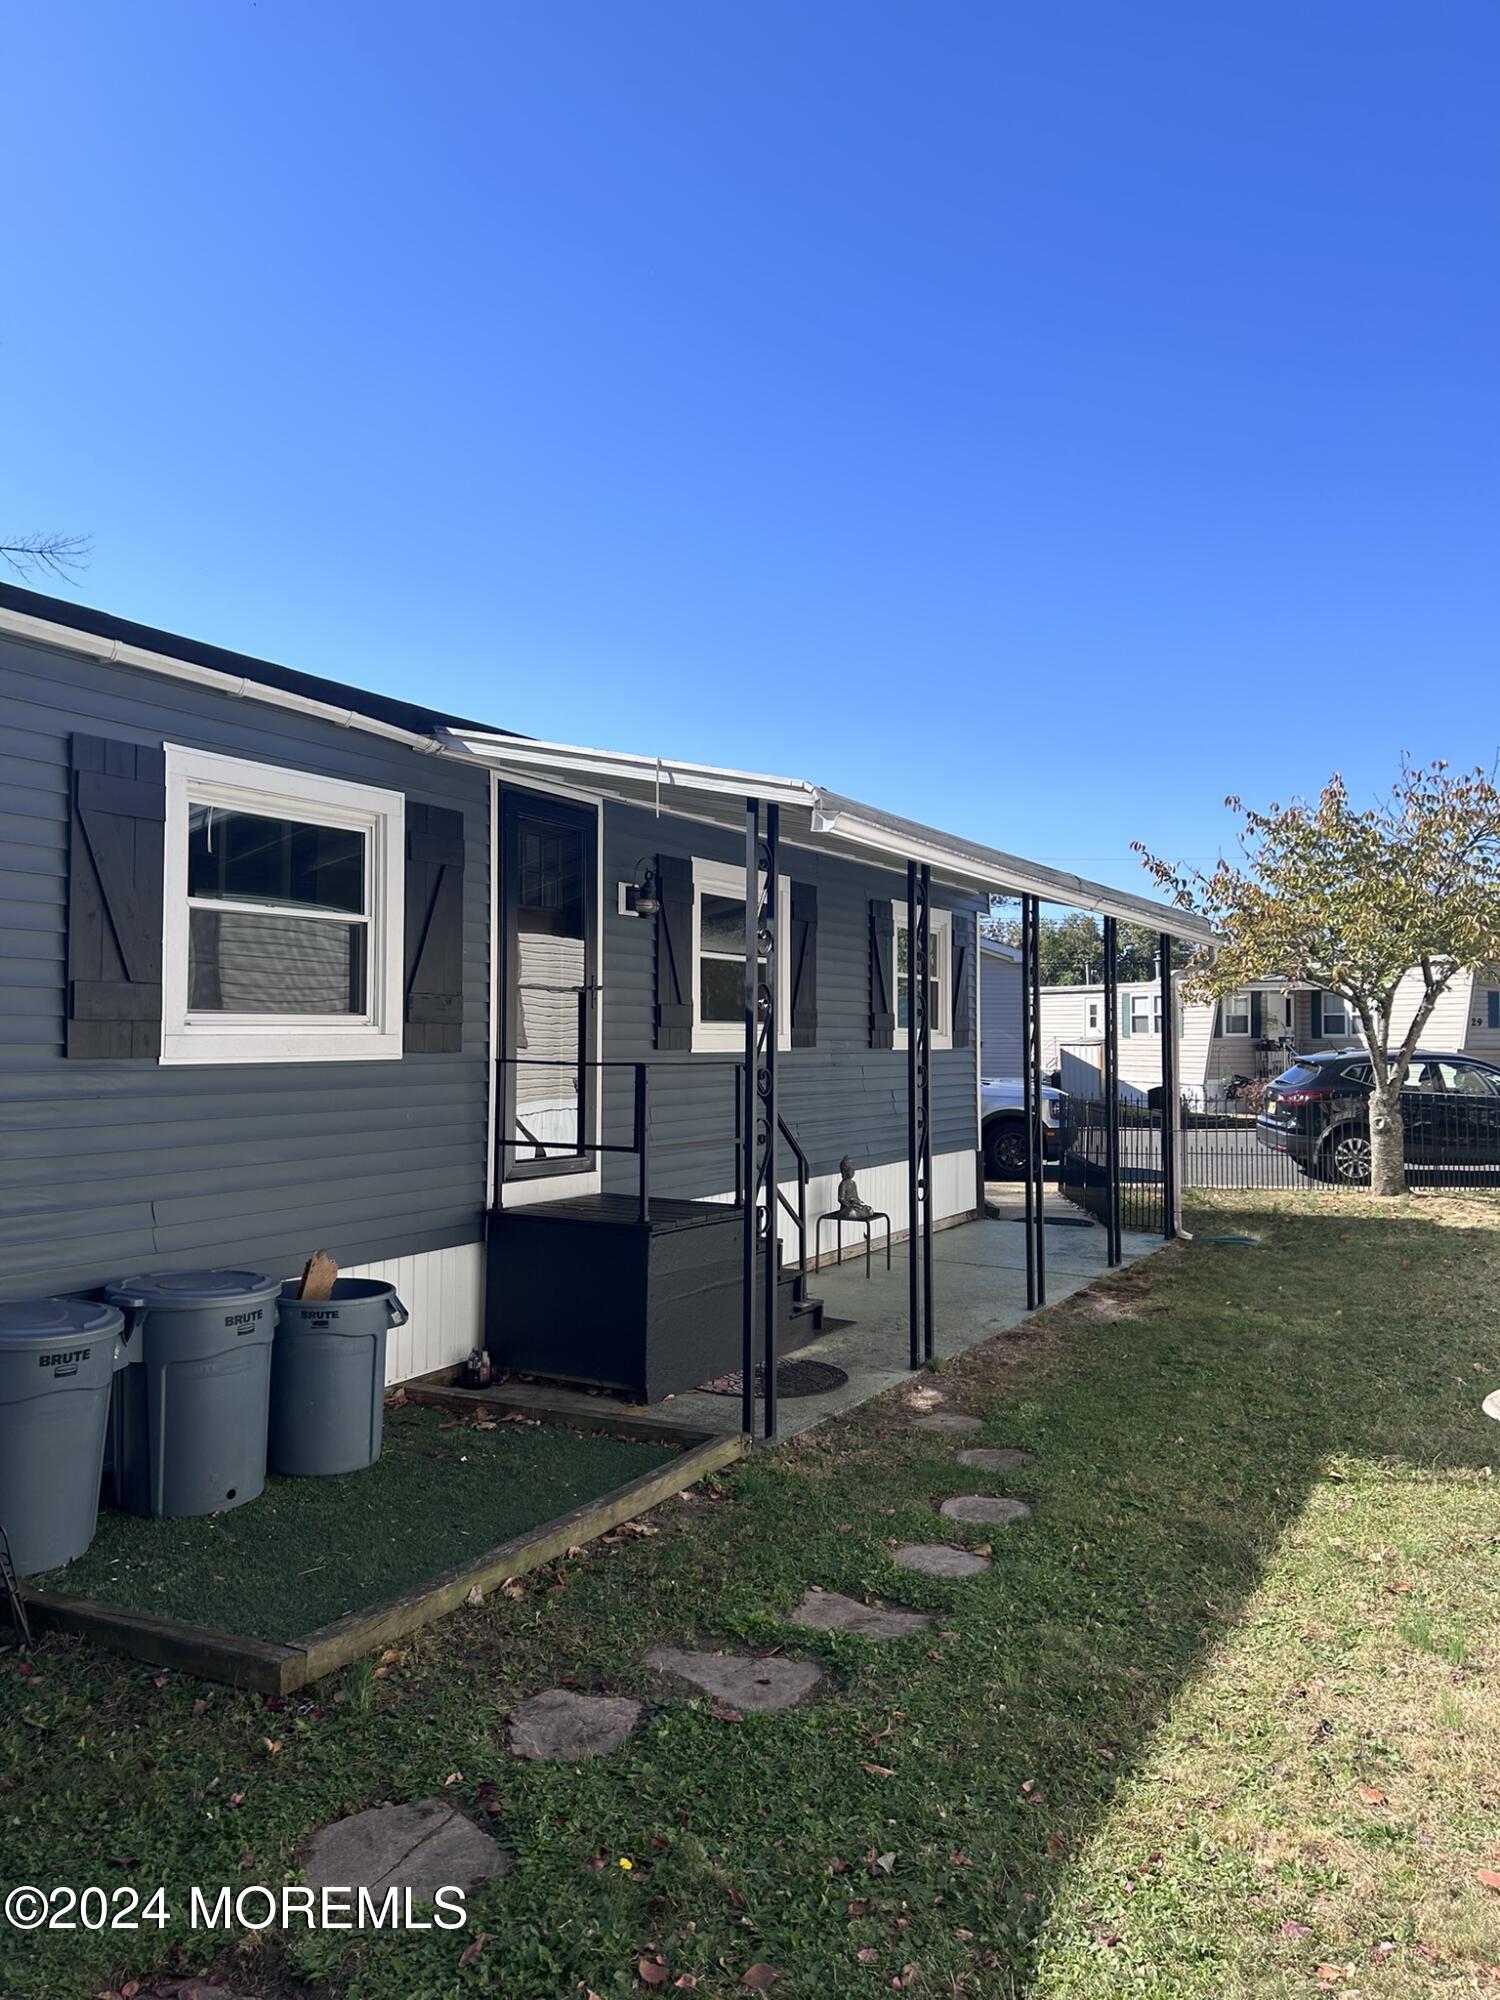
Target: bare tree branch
pixel 47 555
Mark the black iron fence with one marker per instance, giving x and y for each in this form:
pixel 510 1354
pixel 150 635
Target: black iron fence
pixel 1255 1135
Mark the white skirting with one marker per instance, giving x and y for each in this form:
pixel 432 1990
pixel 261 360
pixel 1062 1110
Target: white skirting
pixel 443 1290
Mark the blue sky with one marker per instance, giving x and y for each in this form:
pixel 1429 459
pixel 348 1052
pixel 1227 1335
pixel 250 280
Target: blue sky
pixel 1038 420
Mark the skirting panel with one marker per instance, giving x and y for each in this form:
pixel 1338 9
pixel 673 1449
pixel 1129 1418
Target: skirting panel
pixel 443 1290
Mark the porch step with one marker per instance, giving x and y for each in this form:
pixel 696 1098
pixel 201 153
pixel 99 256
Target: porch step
pixel 801 1315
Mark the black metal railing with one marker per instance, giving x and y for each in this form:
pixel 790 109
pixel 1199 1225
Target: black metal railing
pixel 579 1149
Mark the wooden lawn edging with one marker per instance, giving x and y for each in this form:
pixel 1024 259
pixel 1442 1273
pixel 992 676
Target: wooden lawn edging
pixel 279 1668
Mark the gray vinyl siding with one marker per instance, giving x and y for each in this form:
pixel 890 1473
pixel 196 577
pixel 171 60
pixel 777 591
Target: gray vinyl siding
pixel 108 1167
pixel 1000 1014
pixel 840 1097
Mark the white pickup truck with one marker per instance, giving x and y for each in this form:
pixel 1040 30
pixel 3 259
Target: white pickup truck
pixel 1002 1128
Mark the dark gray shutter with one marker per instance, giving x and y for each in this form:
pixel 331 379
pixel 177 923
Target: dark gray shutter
pixel 804 947
pixel 1315 1006
pixel 960 1011
pixel 1217 1028
pixel 1257 1016
pixel 882 974
pixel 674 952
pixel 434 987
pixel 116 849
pixel 1493 1016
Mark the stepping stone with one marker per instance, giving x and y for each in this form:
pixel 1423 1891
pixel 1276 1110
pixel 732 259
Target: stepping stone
pixel 986 1507
pixel 561 1724
pixel 938 1559
pixel 737 1681
pixel 948 1420
pixel 995 1458
pixel 423 1848
pixel 827 1611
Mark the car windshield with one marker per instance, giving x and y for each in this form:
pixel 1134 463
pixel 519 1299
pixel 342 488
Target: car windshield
pixel 1299 1073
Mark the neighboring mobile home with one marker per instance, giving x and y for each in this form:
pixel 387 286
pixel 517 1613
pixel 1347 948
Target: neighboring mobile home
pixel 292 965
pixel 999 1010
pixel 1249 1033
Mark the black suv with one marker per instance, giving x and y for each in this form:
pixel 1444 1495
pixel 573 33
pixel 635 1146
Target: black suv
pixel 1318 1112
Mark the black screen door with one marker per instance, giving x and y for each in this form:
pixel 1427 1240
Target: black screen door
pixel 549 918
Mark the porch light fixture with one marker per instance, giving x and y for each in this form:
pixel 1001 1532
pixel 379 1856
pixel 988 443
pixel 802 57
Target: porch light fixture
pixel 642 897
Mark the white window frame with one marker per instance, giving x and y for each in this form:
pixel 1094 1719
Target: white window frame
pixel 1346 1014
pixel 1093 1017
pixel 723 878
pixel 940 936
pixel 202 777
pixel 1143 1001
pixel 1232 1000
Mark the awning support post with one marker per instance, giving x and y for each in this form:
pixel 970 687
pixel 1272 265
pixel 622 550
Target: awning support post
pixel 758 1122
pixel 1171 1103
pixel 1038 1147
pixel 916 1106
pixel 1028 1100
pixel 1114 1252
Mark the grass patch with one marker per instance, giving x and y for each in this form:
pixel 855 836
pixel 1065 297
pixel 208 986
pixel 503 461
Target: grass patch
pixel 1222 1714
pixel 309 1550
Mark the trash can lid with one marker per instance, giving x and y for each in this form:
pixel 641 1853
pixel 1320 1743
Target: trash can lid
pixel 46 1321
pixel 165 1289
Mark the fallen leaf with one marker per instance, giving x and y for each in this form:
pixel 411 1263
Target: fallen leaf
pixel 867 1954
pixel 273 1745
pixel 1292 1929
pixel 1490 1877
pixel 877 1770
pixel 759 1975
pixel 652 1971
pixel 475 1596
pixel 1057 1847
pixel 862 1906
pixel 1372 1795
pixel 471 1951
pixel 454 1778
pixel 686 1979
pixel 882 1864
pixel 722 1712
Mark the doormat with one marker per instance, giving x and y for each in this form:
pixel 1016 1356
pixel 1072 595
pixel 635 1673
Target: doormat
pixel 793 1378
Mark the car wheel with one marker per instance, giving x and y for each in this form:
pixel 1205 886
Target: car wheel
pixel 1005 1150
pixel 1345 1157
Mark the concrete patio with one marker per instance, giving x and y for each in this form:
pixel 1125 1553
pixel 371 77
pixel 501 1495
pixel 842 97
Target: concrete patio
pixel 979 1289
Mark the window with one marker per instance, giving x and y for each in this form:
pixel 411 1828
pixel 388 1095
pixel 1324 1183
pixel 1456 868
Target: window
pixel 1335 1016
pixel 939 982
pixel 283 915
pixel 719 958
pixel 1140 1014
pixel 1093 1017
pixel 1236 1014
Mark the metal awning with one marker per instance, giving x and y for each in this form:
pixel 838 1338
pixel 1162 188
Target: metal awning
pixel 811 817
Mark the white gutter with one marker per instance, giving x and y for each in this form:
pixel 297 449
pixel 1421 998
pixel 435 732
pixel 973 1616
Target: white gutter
pixel 668 774
pixel 995 872
pixel 118 652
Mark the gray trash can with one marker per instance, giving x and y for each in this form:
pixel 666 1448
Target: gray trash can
pixel 57 1360
pixel 328 1376
pixel 192 1406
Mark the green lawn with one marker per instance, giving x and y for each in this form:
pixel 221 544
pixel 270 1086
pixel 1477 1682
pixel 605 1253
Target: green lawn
pixel 310 1549
pixel 1220 1721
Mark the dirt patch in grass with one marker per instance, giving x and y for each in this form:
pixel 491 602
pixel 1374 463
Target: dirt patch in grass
pixel 309 1550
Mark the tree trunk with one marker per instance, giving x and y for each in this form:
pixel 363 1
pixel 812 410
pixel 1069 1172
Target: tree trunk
pixel 1387 1140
